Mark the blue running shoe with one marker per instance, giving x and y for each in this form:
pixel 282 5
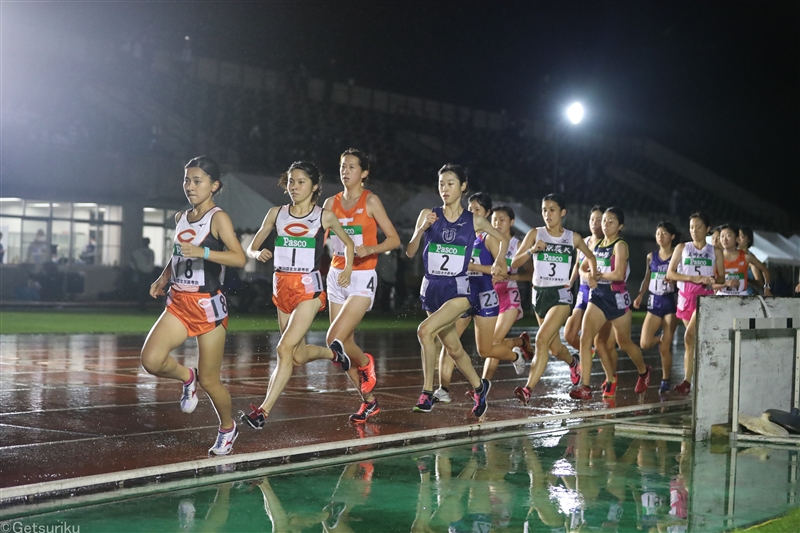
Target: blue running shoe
pixel 424 404
pixel 480 407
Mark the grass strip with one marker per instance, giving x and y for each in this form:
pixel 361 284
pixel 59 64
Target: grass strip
pixel 119 321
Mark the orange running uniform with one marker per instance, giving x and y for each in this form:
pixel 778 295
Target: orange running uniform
pixel 736 269
pixel 360 227
pixel 298 248
pixel 195 297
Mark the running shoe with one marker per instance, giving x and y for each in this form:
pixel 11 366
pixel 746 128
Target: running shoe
pixel 256 419
pixel 340 358
pixel 224 443
pixel 610 388
pixel 368 409
pixel 575 370
pixel 519 362
pixel 480 407
pixel 527 349
pixel 424 404
pixel 524 394
pixel 581 392
pixel 665 386
pixel 366 375
pixel 644 381
pixel 441 395
pixel 683 388
pixel 189 397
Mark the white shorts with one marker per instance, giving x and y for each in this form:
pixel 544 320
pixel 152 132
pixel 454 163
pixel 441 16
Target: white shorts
pixel 362 283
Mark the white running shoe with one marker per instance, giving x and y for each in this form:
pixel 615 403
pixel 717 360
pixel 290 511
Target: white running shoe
pixel 224 443
pixel 189 398
pixel 441 395
pixel 519 362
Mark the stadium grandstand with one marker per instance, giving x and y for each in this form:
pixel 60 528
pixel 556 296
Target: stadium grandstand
pixel 95 136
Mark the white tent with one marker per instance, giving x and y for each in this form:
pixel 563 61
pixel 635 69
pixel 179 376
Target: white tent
pixel 246 207
pixel 775 249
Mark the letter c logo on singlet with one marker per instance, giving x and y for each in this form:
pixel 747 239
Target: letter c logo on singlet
pixel 296 229
pixel 186 235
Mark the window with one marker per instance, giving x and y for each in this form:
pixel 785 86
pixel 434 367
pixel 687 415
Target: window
pixel 37 231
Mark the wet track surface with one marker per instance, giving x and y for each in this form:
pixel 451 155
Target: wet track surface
pixel 81 405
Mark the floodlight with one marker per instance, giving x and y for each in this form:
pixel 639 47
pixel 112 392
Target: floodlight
pixel 575 112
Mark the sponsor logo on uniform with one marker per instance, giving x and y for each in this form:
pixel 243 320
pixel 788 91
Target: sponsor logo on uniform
pixel 449 234
pixel 359 210
pixel 186 235
pixel 296 229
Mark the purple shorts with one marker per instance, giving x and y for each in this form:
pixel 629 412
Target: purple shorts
pixel 662 305
pixel 583 297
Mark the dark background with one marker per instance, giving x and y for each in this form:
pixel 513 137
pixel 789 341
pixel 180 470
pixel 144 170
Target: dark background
pixel 718 82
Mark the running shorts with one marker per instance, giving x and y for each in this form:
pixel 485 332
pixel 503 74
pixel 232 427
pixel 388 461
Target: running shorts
pixel 483 299
pixel 583 297
pixel 434 292
pixel 291 288
pixel 545 298
pixel 362 283
pixel 199 312
pixel 662 305
pixel 612 304
pixel 687 301
pixel 509 298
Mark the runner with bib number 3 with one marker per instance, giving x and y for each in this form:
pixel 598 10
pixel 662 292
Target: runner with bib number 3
pixel 552 248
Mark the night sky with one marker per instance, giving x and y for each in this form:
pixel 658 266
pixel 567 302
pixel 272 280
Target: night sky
pixel 718 82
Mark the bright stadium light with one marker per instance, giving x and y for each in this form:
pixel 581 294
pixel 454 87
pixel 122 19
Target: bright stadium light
pixel 575 113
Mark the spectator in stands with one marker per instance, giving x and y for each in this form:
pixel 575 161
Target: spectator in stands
pixel 142 263
pixel 89 252
pixel 38 250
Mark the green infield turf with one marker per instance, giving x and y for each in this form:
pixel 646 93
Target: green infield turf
pixel 76 321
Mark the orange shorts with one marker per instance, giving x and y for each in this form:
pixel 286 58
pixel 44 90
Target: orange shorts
pixel 291 288
pixel 199 312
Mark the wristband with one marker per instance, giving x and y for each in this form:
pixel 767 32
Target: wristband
pixel 528 251
pixel 206 252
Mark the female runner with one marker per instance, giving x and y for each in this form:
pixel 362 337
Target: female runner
pixel 361 213
pixel 572 329
pixel 503 218
pixel 695 265
pixel 449 233
pixel 551 247
pixel 753 275
pixel 196 306
pixel 662 303
pixel 737 264
pixel 609 301
pixel 485 308
pixel 297 289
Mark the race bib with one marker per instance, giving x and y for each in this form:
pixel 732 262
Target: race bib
pixel 446 259
pixel 623 300
pixel 294 254
pixel 216 307
pixel 659 283
pixel 354 232
pixel 188 271
pixel 552 266
pixel 489 299
pixel 476 260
